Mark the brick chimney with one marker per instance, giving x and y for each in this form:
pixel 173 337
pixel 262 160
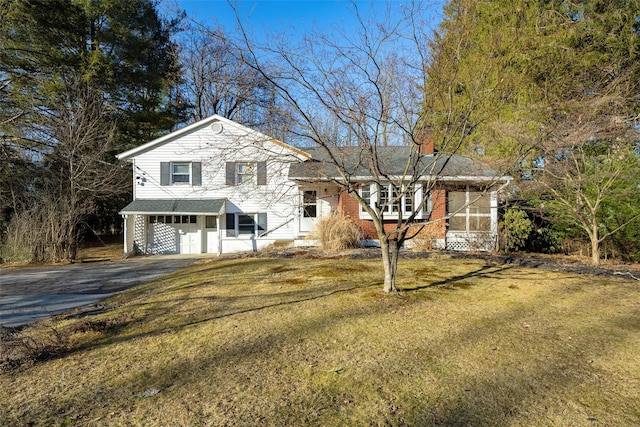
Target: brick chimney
pixel 424 140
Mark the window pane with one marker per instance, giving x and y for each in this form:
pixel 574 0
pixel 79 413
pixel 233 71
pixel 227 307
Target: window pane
pixel 210 222
pixel 458 223
pixel 168 219
pixel 176 219
pixel 185 219
pixel 395 207
pixel 193 219
pixel 180 173
pixel 480 206
pixel 245 172
pixel 152 219
pixel 181 168
pixel 366 194
pixel 161 218
pixel 310 211
pixel 456 201
pixel 309 197
pixel 181 178
pixel 246 224
pixel 479 223
pixel 409 198
pixel 383 192
pixel 309 201
pixel 244 167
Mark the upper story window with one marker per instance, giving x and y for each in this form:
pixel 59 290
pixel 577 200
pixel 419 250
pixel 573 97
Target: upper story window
pixel 238 173
pixel 245 172
pixel 181 173
pixel 470 210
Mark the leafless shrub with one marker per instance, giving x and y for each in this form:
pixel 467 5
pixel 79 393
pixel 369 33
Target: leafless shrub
pixel 45 232
pixel 20 348
pixel 336 232
pixel 426 240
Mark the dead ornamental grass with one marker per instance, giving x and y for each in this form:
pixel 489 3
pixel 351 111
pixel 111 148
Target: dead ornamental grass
pixel 336 232
pixel 314 342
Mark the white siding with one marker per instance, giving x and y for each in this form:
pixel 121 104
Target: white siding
pixel 279 198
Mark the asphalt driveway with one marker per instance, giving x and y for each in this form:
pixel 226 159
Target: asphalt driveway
pixel 33 293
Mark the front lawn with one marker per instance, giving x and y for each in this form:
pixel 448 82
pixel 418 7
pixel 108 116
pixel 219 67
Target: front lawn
pixel 263 341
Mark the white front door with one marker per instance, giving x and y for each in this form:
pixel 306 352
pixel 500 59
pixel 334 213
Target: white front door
pixel 308 210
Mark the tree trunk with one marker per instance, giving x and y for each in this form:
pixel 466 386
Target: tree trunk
pixel 390 262
pixel 595 244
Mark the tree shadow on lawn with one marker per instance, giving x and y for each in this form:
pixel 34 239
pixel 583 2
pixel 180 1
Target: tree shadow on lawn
pixel 496 394
pixel 543 388
pixel 484 272
pixel 113 330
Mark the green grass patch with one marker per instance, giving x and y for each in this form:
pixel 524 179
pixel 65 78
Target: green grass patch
pixel 263 341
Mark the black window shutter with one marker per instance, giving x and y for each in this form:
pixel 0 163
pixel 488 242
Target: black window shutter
pixel 196 171
pixel 231 173
pixel 165 173
pixel 262 223
pixel 231 225
pixel 262 173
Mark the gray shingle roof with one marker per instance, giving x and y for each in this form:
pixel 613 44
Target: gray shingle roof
pixel 175 206
pixel 393 161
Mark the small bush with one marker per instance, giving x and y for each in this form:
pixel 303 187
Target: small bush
pixel 336 232
pixel 516 227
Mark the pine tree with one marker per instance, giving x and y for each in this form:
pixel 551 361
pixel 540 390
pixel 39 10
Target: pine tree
pixel 79 80
pixel 561 79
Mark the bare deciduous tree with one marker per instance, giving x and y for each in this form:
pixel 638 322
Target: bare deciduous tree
pixel 74 173
pixel 590 157
pixel 354 94
pixel 217 81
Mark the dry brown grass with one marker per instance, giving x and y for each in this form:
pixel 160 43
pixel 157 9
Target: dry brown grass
pixel 315 342
pixel 336 232
pixel 101 250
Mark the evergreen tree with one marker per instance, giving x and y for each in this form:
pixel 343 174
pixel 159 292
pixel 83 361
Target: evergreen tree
pixel 79 80
pixel 561 78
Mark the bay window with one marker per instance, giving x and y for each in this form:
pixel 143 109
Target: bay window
pixel 392 201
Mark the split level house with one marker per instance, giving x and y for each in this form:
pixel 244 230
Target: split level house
pixel 219 187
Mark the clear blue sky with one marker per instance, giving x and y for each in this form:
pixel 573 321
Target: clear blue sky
pixel 274 16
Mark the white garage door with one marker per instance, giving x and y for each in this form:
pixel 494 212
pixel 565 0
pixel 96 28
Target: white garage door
pixel 189 236
pixel 174 234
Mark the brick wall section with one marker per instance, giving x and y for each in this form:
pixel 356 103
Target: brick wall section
pixel 426 142
pixel 349 206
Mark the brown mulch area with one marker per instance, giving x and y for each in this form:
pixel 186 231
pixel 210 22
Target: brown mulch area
pixel 558 263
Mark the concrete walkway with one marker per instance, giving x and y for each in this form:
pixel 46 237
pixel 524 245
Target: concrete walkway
pixel 33 293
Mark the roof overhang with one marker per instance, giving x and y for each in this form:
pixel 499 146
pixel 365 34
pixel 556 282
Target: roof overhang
pixel 408 178
pixel 175 206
